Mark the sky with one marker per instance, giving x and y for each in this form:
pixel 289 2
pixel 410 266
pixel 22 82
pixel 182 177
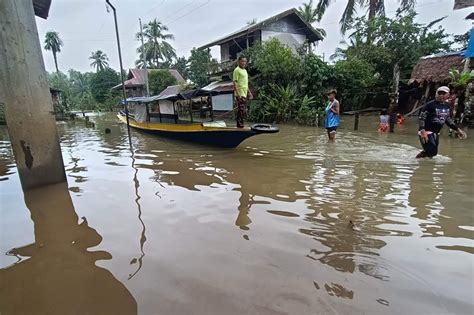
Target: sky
pixel 85 26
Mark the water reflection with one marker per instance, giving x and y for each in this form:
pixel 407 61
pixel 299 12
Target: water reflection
pixel 430 200
pixel 57 274
pixel 143 231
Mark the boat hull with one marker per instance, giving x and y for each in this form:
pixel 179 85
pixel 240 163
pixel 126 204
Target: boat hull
pixel 211 136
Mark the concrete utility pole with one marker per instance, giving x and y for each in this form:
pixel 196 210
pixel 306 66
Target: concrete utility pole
pixel 24 89
pixel 144 60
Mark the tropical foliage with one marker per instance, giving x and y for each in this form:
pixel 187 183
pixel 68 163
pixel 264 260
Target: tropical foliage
pixel 54 43
pixel 101 83
pixel 384 42
pixel 460 80
pixel 100 61
pixel 374 8
pixel 157 51
pixel 200 64
pixel 159 80
pixel 310 14
pixel 181 65
pixel 288 87
pixel 86 91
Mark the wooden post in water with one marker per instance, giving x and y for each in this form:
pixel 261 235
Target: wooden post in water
pixel 356 121
pixel 394 102
pixel 25 91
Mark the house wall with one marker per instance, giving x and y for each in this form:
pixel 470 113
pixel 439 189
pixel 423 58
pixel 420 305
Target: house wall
pixel 289 30
pixel 292 40
pixel 223 102
pixel 285 25
pixel 225 52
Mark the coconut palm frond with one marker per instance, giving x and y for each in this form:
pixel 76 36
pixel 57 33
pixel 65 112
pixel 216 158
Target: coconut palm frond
pixel 347 16
pixel 406 5
pixel 321 8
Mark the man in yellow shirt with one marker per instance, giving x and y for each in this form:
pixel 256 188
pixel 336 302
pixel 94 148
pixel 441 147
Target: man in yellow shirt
pixel 241 90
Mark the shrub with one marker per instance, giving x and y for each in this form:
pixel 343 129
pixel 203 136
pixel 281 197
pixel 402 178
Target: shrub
pixel 280 103
pixel 159 80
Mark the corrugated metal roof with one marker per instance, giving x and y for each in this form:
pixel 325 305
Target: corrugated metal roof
pixel 219 86
pixel 312 34
pixel 136 77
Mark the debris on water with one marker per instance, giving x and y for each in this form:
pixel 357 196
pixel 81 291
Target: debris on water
pixel 383 302
pixel 316 285
pixel 351 224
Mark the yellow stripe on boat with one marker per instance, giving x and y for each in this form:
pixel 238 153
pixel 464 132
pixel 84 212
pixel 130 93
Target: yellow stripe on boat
pixel 192 127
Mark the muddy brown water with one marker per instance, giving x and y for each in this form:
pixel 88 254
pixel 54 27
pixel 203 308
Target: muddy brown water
pixel 176 228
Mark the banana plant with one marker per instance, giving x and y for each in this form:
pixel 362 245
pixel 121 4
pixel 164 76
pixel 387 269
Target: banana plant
pixel 460 80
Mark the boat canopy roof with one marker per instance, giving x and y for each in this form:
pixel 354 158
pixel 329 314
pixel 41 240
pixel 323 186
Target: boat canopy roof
pixel 185 95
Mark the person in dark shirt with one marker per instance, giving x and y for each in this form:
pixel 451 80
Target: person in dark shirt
pixel 432 118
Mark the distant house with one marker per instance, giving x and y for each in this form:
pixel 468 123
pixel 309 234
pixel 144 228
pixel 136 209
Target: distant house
pixel 288 27
pixel 135 84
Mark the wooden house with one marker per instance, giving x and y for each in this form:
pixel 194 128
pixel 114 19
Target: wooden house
pixel 288 27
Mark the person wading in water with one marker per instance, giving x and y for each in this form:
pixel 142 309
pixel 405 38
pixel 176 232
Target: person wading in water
pixel 241 90
pixel 332 115
pixel 432 118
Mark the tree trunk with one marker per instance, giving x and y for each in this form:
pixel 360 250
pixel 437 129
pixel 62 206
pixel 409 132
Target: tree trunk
pixel 372 8
pixel 55 61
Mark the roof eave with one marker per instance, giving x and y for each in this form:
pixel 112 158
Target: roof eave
pixel 260 25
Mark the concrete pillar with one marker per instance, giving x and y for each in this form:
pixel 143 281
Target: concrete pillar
pixel 24 89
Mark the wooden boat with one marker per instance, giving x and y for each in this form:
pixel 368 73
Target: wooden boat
pixel 158 115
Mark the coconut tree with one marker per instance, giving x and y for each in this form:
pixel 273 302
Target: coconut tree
pixel 99 60
pixel 309 14
pixel 53 42
pixel 374 8
pixel 156 46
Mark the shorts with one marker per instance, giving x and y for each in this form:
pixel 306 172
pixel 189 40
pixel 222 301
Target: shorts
pixel 430 148
pixel 331 129
pixel 383 127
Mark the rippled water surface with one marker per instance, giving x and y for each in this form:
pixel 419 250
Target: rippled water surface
pixel 176 228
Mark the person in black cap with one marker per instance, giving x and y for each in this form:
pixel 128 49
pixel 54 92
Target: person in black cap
pixel 432 118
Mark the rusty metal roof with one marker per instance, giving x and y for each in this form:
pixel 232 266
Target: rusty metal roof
pixel 136 77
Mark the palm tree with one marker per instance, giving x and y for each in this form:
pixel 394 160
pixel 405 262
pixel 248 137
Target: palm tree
pixel 309 14
pixel 156 47
pixel 99 60
pixel 53 42
pixel 375 7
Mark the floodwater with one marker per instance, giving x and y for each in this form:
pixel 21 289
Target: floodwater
pixel 264 228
